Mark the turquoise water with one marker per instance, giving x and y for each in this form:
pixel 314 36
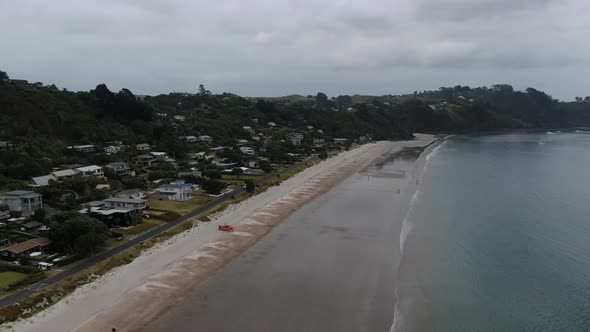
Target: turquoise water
pixel 500 236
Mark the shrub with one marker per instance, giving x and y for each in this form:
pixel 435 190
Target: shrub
pixel 68 260
pixel 169 216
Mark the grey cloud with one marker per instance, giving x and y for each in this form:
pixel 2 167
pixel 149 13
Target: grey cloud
pixel 271 47
pixel 464 10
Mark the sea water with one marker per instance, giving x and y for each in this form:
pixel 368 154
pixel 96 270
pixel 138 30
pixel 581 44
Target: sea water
pixel 498 236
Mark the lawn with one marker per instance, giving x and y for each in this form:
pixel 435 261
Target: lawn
pixel 9 278
pixel 181 207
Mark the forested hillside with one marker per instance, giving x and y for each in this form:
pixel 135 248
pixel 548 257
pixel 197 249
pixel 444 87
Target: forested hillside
pixel 39 121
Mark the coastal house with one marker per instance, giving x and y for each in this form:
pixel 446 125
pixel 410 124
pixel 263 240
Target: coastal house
pixel 179 117
pixel 112 149
pixel 42 181
pixel 341 141
pixel 119 168
pixel 248 129
pixel 91 170
pixel 64 173
pixel 145 160
pixel 6 146
pixel 272 124
pixel 294 138
pixel 318 142
pixel 83 148
pixel 242 141
pixel 195 174
pixel 173 192
pixel 131 194
pixel 246 150
pixel 253 163
pixel 24 249
pixel 131 204
pixel 191 139
pixel 22 201
pixel 205 138
pixel 143 147
pixel 196 156
pixel 31 227
pixel 158 155
pixel 110 217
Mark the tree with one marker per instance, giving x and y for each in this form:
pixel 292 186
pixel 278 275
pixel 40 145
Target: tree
pixel 77 233
pixel 213 187
pixel 3 77
pixel 321 98
pixel 250 186
pixel 203 91
pixel 39 215
pixel 587 98
pixel 578 99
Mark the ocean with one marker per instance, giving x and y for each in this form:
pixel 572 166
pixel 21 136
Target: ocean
pixel 497 237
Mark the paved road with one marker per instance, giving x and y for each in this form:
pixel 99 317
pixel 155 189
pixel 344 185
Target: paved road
pixel 26 292
pixel 331 266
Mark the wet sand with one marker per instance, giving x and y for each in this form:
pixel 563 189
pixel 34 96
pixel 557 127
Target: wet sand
pixel 331 266
pixel 132 297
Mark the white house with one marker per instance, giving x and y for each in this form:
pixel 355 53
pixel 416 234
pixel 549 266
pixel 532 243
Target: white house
pixel 92 170
pixel 246 150
pixel 159 155
pixel 174 192
pixel 191 139
pixel 248 129
pixel 179 117
pixel 112 149
pixel 23 201
pixel 294 138
pixel 132 204
pixel 205 138
pixel 272 124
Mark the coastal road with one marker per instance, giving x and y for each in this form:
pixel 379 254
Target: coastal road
pixel 331 266
pixel 26 292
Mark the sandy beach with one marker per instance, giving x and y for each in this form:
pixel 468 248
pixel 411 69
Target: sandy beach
pixel 134 295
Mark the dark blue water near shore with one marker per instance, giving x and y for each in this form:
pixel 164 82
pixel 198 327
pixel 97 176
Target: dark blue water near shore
pixel 500 236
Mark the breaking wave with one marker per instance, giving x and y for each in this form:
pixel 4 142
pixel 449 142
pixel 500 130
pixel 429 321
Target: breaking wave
pixel 399 320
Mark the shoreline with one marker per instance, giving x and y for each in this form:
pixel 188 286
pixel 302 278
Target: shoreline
pixel 403 281
pixel 169 270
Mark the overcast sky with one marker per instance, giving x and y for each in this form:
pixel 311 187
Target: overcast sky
pixel 278 47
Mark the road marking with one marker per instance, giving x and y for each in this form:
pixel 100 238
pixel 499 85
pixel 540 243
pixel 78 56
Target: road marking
pixel 37 286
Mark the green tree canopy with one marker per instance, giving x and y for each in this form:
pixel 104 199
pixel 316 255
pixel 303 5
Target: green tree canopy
pixel 77 233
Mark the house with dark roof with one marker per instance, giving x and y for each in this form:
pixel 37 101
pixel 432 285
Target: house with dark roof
pixel 25 248
pixel 119 168
pixel 145 160
pixel 31 227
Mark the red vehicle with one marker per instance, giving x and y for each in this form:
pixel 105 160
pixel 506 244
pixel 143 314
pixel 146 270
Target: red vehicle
pixel 226 228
